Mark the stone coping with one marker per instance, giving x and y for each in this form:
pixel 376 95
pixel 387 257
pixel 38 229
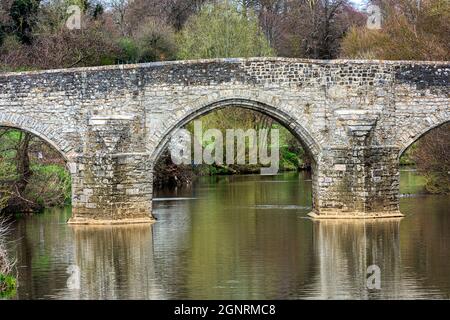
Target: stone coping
pixel 226 60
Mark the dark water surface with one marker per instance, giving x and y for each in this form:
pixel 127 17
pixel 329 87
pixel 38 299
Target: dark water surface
pixel 242 237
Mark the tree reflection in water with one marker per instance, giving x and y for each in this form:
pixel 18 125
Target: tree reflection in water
pixel 238 238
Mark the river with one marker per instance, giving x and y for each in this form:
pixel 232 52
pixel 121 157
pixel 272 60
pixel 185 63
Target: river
pixel 239 237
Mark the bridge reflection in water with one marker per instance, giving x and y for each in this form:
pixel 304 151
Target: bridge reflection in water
pixel 127 262
pixel 345 249
pixel 120 262
pixel 228 244
pixel 116 257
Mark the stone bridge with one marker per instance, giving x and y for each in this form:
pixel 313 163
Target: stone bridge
pixel 355 118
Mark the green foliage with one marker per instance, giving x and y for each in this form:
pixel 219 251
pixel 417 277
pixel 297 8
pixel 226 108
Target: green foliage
pixel 129 50
pixel 152 41
pixel 437 183
pixel 49 184
pixel 292 155
pixel 23 14
pixel 156 41
pixel 407 158
pixel 221 31
pixel 55 181
pixel 432 157
pixel 36 36
pixel 8 286
pixel 289 160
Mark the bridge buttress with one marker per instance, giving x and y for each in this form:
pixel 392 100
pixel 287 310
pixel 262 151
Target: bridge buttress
pixel 112 183
pixel 360 180
pixel 357 182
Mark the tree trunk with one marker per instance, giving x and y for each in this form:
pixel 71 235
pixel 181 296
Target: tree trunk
pixel 23 162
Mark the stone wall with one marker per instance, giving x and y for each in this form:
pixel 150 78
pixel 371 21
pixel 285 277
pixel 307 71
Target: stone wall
pixel 112 123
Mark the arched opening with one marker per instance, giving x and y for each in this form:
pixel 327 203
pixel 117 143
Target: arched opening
pixel 33 172
pixel 297 152
pixel 291 124
pixel 425 162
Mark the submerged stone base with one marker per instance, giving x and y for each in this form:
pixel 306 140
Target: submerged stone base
pixel 355 215
pixel 88 221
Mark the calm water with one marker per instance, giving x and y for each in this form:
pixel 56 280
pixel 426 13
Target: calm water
pixel 244 237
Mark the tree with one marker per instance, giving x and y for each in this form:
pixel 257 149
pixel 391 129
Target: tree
pixel 304 28
pixel 5 19
pixel 55 46
pixel 32 174
pixel 154 40
pixel 432 156
pixel 120 8
pixel 314 29
pixel 179 11
pixel 219 31
pixel 173 12
pixel 90 46
pixel 128 15
pixel 23 14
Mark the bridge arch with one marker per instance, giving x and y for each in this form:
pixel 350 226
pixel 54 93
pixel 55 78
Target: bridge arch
pixel 43 131
pixel 290 123
pixel 420 132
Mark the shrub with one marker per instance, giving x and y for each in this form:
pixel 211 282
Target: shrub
pixel 221 31
pixel 8 283
pixel 408 33
pixel 432 157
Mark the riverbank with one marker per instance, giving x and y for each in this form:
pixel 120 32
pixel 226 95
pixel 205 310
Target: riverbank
pixel 33 176
pixel 292 158
pixel 8 282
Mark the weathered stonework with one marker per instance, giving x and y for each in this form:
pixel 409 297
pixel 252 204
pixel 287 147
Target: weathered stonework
pixel 111 123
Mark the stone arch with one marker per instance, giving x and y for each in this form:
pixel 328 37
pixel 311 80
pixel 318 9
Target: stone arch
pixel 419 133
pixel 302 134
pixel 43 131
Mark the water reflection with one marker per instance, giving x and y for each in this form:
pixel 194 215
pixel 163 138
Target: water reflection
pixel 425 240
pixel 237 238
pixel 43 247
pixel 230 244
pixel 345 249
pixel 116 262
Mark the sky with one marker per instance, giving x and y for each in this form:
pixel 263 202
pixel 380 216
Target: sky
pixel 359 3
